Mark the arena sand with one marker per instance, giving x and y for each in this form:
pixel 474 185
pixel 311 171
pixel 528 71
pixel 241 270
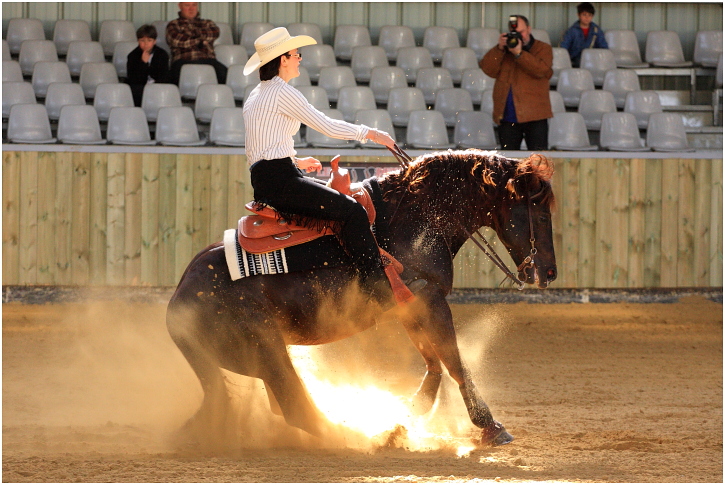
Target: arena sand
pixel 94 392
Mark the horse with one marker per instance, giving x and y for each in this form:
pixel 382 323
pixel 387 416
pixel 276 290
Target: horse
pixel 426 212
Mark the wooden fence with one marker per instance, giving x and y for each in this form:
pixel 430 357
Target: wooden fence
pixel 75 218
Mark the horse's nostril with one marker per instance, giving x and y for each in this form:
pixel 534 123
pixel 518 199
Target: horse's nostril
pixel 551 274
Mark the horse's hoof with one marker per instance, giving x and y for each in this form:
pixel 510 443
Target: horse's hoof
pixel 495 435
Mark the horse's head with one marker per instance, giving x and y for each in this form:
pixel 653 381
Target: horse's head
pixel 524 224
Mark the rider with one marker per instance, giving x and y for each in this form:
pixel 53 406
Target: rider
pixel 273 113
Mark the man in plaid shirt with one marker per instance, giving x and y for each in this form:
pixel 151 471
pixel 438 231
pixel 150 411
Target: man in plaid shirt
pixel 191 40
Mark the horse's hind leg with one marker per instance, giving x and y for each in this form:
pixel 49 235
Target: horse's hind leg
pixel 425 396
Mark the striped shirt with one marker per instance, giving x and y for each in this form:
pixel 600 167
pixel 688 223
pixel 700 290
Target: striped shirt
pixel 273 113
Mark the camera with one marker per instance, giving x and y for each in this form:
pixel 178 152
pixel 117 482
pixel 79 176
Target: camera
pixel 513 37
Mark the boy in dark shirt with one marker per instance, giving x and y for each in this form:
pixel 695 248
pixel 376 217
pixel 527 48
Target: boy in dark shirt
pixel 583 34
pixel 147 63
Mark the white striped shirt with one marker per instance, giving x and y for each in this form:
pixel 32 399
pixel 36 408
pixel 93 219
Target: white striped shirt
pixel 273 113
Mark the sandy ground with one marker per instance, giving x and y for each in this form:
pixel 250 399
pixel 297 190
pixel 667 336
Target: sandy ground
pixel 592 392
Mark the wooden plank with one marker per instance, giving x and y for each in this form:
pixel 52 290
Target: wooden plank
pixel 219 195
pixel 620 236
pixel 653 224
pixel 701 226
pixel 116 220
pixel 201 222
pixel 28 233
pixel 716 225
pixel 637 196
pixel 587 222
pixel 558 220
pixel 569 209
pixel 133 221
pixel 98 217
pixel 239 189
pixel 150 186
pixel 183 242
pixel 167 219
pixel 64 208
pixel 50 236
pixel 11 217
pixel 605 220
pixel 81 219
pixel 670 221
pixel 686 223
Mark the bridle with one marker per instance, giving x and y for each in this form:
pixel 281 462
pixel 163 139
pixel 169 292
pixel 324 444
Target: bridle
pixel 404 160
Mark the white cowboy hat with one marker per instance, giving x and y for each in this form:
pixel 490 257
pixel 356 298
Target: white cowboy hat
pixel 273 44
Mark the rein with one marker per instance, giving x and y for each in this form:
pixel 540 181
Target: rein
pixel 404 160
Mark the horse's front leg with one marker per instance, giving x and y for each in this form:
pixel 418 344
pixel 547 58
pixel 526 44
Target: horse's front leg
pixel 437 326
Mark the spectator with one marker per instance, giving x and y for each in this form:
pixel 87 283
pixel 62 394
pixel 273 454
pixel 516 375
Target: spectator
pixel 583 34
pixel 521 93
pixel 191 40
pixel 147 63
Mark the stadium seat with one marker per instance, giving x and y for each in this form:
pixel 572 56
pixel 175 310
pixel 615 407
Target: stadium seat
pixel 562 60
pixel 194 75
pixel 316 96
pixel 306 28
pixel 227 127
pixel 352 98
pixel 567 131
pixel 642 104
pixel 375 118
pixel 542 35
pixel 229 54
pixel 474 129
pixel 33 51
pixel 708 47
pixel 62 94
pixel 364 59
pixel 664 49
pixel 28 123
pixel 210 97
pixel 239 82
pixel 597 62
pixel 95 73
pixel 717 92
pixel 557 102
pixel 302 80
pixel 120 56
pixel 113 31
pixel 13 73
pixel 315 57
pixel 394 37
pixel 619 82
pixel 619 132
pixel 157 96
pixel 452 101
pixel 109 96
pixel 347 37
pixel 487 102
pixel 16 93
pixel 319 140
pixel 437 39
pixel 666 133
pixel 593 105
pixel 6 51
pixel 334 78
pixel 80 52
pixel 427 130
pixel 571 84
pixel 411 59
pixel 403 101
pixel 127 125
pixel 161 35
pixel 226 36
pixel 383 79
pixel 625 47
pixel 250 32
pixel 66 31
pixel 78 125
pixel 457 60
pixel 481 40
pixel 432 79
pixel 475 81
pixel 20 30
pixel 176 126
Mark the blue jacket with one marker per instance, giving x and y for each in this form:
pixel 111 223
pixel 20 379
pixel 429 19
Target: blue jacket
pixel 574 41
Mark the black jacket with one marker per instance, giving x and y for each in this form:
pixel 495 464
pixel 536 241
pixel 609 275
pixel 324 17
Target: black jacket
pixel 138 71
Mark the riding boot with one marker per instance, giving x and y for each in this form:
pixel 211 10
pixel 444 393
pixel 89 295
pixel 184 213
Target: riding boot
pixel 380 291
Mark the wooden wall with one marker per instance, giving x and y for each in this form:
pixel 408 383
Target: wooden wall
pixel 74 218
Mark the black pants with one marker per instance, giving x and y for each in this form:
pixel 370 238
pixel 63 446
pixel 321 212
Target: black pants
pixel 175 70
pixel 535 132
pixel 280 184
pixel 137 93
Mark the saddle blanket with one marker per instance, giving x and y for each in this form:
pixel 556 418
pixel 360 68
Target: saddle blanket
pixel 323 252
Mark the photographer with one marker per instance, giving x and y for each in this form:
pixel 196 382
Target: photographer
pixel 521 66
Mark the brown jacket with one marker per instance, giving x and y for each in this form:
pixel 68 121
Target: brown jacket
pixel 529 75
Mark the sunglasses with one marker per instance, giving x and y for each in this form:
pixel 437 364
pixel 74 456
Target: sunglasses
pixel 298 55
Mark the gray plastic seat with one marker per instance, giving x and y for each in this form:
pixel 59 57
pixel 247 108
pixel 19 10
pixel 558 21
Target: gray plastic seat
pixel 229 54
pixel 95 73
pixel 121 50
pixel 642 104
pixel 239 82
pixel 437 39
pixel 20 30
pixel 375 118
pixel 427 129
pixel 383 79
pixel 542 35
pixel 474 129
pixel 66 31
pixel 347 37
pixel 664 49
pixel 403 101
pixel 6 51
pixel 562 60
pixel 394 37
pixel 226 36
pixel 12 72
pixel 625 47
pixel 597 62
pixel 430 80
pixel 62 94
pixel 352 98
pixel 475 81
pixel 452 101
pixel 487 102
pixel 593 105
pixel 16 93
pixel 571 84
pixel 334 78
pixel 247 91
pixel 160 26
pixel 127 125
pixel 567 131
pixel 227 127
pixel 112 95
pixel 113 31
pixel 28 123
pixel 319 140
pixel 666 133
pixel 365 59
pixel 717 93
pixel 557 102
pixel 481 40
pixel 157 96
pixel 315 57
pixel 194 75
pixel 78 125
pixel 708 47
pixel 316 96
pixel 302 80
pixel 457 60
pixel 619 132
pixel 209 97
pixel 81 52
pixel 619 82
pixel 412 59
pixel 250 32
pixel 176 126
pixel 306 28
pixel 32 51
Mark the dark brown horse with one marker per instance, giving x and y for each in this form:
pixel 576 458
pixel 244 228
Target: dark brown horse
pixel 427 213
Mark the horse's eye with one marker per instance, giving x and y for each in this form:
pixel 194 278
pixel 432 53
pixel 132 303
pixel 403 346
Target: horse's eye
pixel 543 219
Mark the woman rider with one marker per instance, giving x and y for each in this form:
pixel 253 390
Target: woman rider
pixel 273 113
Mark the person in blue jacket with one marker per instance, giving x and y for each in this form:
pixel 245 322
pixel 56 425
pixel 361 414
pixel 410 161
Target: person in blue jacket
pixel 583 34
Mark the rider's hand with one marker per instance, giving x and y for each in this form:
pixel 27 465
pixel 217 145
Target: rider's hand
pixel 380 137
pixel 309 164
